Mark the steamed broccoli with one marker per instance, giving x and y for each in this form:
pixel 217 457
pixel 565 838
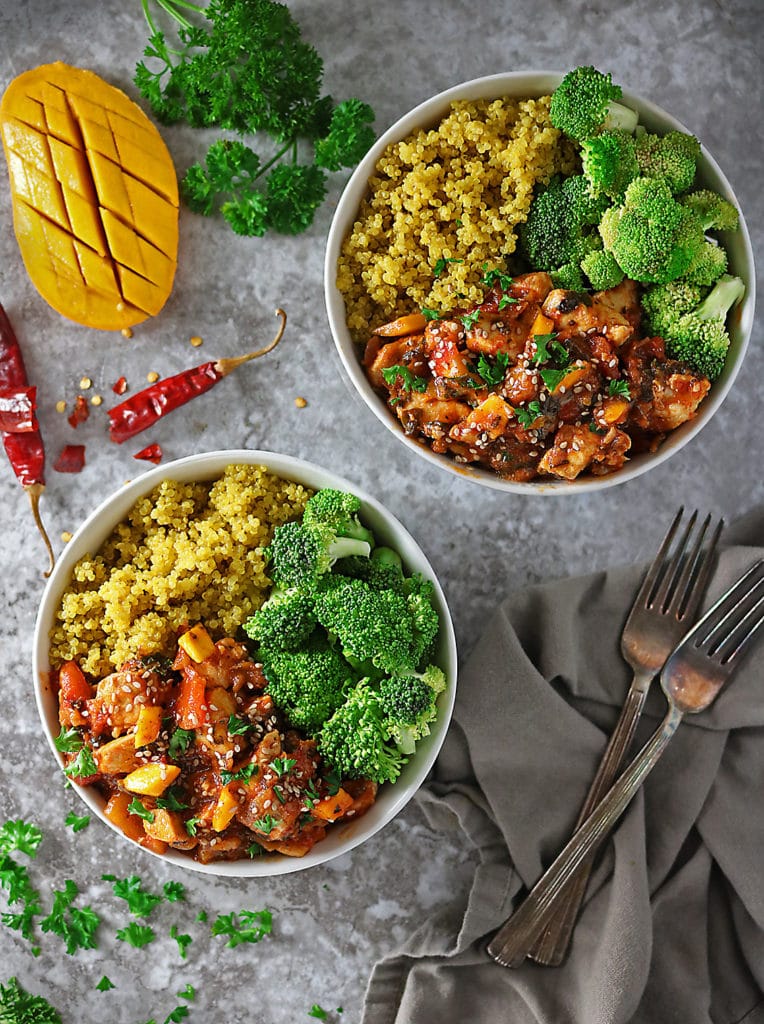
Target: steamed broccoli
pixel 700 337
pixel 663 304
pixel 409 705
pixel 285 620
pixel 602 270
pixel 309 684
pixel 424 617
pixel 300 554
pixel 708 265
pixel 559 229
pixel 569 277
pixel 714 211
pixel 339 511
pixel 584 102
pixel 653 237
pixel 609 163
pixel 671 158
pixel 356 739
pixel 383 571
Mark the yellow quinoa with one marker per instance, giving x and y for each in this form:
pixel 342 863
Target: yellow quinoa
pixel 454 192
pixel 186 553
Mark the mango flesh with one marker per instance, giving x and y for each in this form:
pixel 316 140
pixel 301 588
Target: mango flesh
pixel 95 196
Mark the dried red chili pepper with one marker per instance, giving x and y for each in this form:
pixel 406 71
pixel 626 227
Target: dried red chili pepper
pixel 80 412
pixel 71 459
pixel 17 410
pixel 151 453
pixel 26 452
pixel 144 408
pixel 119 387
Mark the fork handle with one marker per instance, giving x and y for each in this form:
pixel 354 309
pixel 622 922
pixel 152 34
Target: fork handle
pixel 551 947
pixel 510 944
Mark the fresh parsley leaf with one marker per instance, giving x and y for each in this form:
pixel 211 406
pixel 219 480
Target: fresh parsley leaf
pixel 139 902
pixel 136 807
pixel 251 926
pixel 17 1006
pixel 442 263
pixel 348 138
pixel 179 741
pixel 178 1014
pixel 470 319
pixel 493 373
pixel 191 825
pixel 244 774
pixel 333 782
pixel 202 916
pixel 137 935
pixel 77 823
pixel 105 984
pixel 238 726
pixel 282 765
pixel 429 314
pixel 83 766
pixel 174 891
pixel 620 388
pixel 542 351
pixel 594 429
pixel 184 941
pixel 69 741
pixel 189 992
pixel 310 794
pixel 409 381
pixel 317 1012
pixel 170 800
pixel 255 850
pixel 266 824
pixel 494 275
pixel 20 835
pixel 506 300
pixel 553 378
pixel 279 795
pixel 528 415
pixel 76 926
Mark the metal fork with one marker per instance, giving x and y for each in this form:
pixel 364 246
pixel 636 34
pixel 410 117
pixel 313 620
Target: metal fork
pixel 691 679
pixel 665 606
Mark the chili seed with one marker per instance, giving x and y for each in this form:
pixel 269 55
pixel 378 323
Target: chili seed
pixel 66 536
pixel 300 402
pixel 96 400
pixel 85 383
pixel 61 406
pixel 152 377
pixel 196 341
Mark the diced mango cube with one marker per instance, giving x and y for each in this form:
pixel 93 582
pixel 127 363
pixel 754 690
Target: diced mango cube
pixel 225 809
pixel 151 779
pixel 148 726
pixel 197 643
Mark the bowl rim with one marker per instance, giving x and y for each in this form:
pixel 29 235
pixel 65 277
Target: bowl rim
pixel 533 82
pixel 209 466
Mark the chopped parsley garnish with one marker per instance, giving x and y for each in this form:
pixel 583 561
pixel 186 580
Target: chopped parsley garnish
pixel 20 835
pixel 527 416
pixel 620 388
pixel 244 774
pixel 266 824
pixel 494 275
pixel 281 765
pixel 279 795
pixel 77 823
pixel 174 891
pixel 469 320
pixel 429 314
pixel 594 429
pixel 179 741
pixel 493 373
pixel 310 794
pixel 15 878
pixel 17 1006
pixel 69 741
pixel 202 916
pixel 184 941
pixel 171 801
pixel 318 1012
pixel 442 263
pixel 333 782
pixel 542 351
pixel 191 825
pixel 553 378
pixel 137 935
pixel 178 1014
pixel 76 926
pixel 409 381
pixel 105 984
pixel 252 925
pixel 136 807
pixel 255 850
pixel 83 766
pixel 506 300
pixel 189 992
pixel 139 902
pixel 238 726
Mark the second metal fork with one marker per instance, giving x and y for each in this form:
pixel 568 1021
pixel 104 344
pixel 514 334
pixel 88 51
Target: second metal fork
pixel 664 608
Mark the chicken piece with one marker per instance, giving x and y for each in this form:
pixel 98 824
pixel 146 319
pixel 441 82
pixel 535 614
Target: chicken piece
pixel 423 412
pixel 512 459
pixel 574 314
pixel 483 424
pixel 675 394
pixel 229 845
pixel 443 340
pixel 624 299
pixel 612 452
pixel 363 792
pixel 303 843
pixel 521 384
pixel 118 757
pixel 120 696
pixel 274 800
pixel 571 453
pixel 603 355
pixel 506 331
pixel 408 351
pixel 230 667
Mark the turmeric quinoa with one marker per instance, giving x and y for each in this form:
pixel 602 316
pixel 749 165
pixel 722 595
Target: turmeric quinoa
pixel 185 553
pixel 443 202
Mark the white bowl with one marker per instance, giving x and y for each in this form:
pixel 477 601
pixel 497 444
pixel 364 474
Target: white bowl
pixel 92 534
pixel 520 84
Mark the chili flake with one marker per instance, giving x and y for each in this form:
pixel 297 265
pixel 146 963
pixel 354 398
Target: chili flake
pixel 80 412
pixel 151 453
pixel 119 387
pixel 17 410
pixel 71 459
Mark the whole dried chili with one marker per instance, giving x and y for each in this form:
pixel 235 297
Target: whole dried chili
pixel 17 410
pixel 25 451
pixel 143 409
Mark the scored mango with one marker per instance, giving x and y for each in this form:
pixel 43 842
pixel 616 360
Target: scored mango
pixel 95 196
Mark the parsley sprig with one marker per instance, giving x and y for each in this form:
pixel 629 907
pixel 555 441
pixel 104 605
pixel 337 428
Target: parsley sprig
pixel 619 388
pixel 75 925
pixel 493 373
pixel 246 926
pixel 139 902
pixel 18 1005
pixel 244 774
pixel 408 380
pixel 527 415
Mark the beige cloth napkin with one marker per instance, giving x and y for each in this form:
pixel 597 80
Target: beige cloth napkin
pixel 673 925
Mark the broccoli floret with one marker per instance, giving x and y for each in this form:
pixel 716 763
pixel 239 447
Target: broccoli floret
pixel 609 163
pixel 409 704
pixel 372 625
pixel 671 157
pixel 584 102
pixel 568 277
pixel 383 571
pixel 663 304
pixel 700 337
pixel 559 229
pixel 309 684
pixel 356 740
pixel 708 266
pixel 300 554
pixel 285 620
pixel 339 511
pixel 602 270
pixel 653 238
pixel 424 617
pixel 714 211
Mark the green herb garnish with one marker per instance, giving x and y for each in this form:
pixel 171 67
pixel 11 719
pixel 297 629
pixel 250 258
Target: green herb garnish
pixel 281 765
pixel 333 782
pixel 136 807
pixel 189 992
pixel 83 766
pixel 76 926
pixel 105 984
pixel 251 926
pixel 77 823
pixel 442 263
pixel 527 416
pixel 244 774
pixel 542 352
pixel 20 835
pixel 490 277
pixel 137 935
pixel 178 1014
pixel 493 373
pixel 255 850
pixel 139 902
pixel 69 741
pixel 238 726
pixel 317 1012
pixel 184 941
pixel 470 319
pixel 409 381
pixel 170 800
pixel 179 741
pixel 191 825
pixel 620 388
pixel 266 824
pixel 429 314
pixel 174 891
pixel 553 378
pixel 17 1006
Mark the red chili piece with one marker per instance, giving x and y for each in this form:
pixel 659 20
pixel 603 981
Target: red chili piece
pixel 25 451
pixel 151 453
pixel 80 412
pixel 119 387
pixel 71 459
pixel 17 410
pixel 143 409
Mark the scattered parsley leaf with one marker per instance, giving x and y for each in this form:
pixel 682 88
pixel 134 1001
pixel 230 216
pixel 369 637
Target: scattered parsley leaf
pixel 506 300
pixel 178 1014
pixel 137 935
pixel 191 825
pixel 494 275
pixel 202 916
pixel 527 416
pixel 174 891
pixel 311 794
pixel 317 1012
pixel 255 850
pixel 105 984
pixel 136 807
pixel 429 314
pixel 184 941
pixel 69 741
pixel 409 381
pixel 620 388
pixel 83 766
pixel 442 263
pixel 553 378
pixel 266 824
pixel 594 429
pixel 189 992
pixel 493 373
pixel 17 1006
pixel 77 823
pixel 469 320
pixel 76 926
pixel 139 902
pixel 333 782
pixel 20 835
pixel 542 351
pixel 179 741
pixel 244 774
pixel 238 726
pixel 282 765
pixel 170 800
pixel 252 925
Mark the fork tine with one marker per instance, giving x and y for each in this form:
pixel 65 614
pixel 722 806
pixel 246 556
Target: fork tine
pixel 654 571
pixel 746 622
pixel 665 588
pixel 697 566
pixel 706 633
